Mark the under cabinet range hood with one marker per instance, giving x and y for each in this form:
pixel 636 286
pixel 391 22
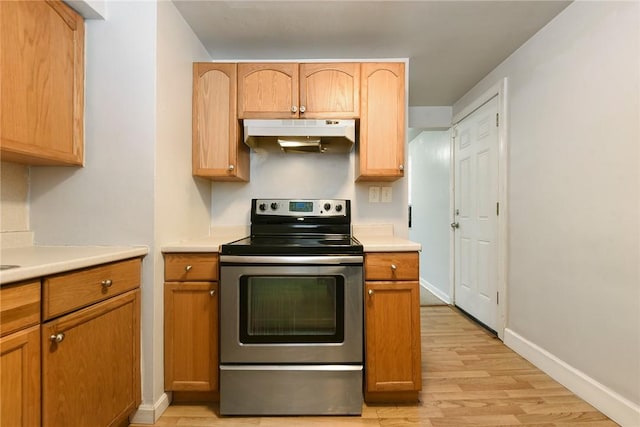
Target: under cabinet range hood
pixel 301 135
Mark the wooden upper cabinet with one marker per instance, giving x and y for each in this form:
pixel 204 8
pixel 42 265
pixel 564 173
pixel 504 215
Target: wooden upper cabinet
pixel 41 83
pixel 267 91
pixel 218 152
pixel 382 122
pixel 291 90
pixel 330 91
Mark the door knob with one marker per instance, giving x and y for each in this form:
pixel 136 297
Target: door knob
pixel 455 225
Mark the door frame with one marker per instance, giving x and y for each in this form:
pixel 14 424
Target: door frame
pixel 500 90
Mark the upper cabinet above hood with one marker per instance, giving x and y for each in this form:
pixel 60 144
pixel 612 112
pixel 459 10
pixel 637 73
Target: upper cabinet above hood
pixel 301 136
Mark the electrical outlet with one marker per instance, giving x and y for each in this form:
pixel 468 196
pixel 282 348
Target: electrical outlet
pixel 386 195
pixel 374 194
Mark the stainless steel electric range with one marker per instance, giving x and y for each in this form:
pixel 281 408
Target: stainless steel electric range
pixel 291 333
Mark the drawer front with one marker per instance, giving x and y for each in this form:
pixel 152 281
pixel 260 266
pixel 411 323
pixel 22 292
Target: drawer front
pixel 391 266
pixel 19 306
pixel 190 267
pixel 69 291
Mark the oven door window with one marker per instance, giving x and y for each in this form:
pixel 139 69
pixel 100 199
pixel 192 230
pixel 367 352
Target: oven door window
pixel 291 309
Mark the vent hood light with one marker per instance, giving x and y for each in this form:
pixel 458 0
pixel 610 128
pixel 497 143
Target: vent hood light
pixel 300 136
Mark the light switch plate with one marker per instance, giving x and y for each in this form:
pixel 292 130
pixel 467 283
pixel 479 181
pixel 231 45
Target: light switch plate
pixel 374 194
pixel 386 195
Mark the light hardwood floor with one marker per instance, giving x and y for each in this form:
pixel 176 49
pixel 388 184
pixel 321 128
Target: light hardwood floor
pixel 470 378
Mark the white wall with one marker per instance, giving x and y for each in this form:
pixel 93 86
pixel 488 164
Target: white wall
pixel 432 118
pixel 14 195
pixel 429 160
pixel 111 200
pixel 182 203
pixel 308 175
pixel 136 187
pixel 574 192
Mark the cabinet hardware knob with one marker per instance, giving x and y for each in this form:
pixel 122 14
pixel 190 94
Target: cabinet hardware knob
pixel 455 225
pixel 401 167
pixel 106 283
pixel 212 292
pixel 370 292
pixel 188 268
pixel 303 109
pixel 394 267
pixel 56 338
pixel 294 109
pixel 231 167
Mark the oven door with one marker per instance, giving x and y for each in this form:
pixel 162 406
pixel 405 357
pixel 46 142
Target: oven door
pixel 290 311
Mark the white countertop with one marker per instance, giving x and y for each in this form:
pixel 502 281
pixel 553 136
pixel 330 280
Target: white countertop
pixel 381 238
pixel 373 243
pixel 38 261
pixel 219 236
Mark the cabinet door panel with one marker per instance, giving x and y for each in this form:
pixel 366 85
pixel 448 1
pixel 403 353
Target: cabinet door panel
pixel 191 336
pixel 267 90
pixel 330 91
pixel 392 322
pixel 92 376
pixel 381 152
pixel 218 152
pixel 20 378
pixel 42 84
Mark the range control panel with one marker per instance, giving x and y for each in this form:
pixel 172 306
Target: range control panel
pixel 301 207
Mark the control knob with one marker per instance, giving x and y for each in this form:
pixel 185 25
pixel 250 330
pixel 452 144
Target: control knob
pixel 327 206
pixel 338 208
pixel 274 206
pixel 262 207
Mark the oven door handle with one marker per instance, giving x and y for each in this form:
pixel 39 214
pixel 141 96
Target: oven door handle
pixel 302 260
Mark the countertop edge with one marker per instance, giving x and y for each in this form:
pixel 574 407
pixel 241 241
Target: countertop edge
pixel 67 258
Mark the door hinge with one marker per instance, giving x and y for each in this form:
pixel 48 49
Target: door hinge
pixel 497 208
pixel 498 298
pixel 454 132
pixel 497 119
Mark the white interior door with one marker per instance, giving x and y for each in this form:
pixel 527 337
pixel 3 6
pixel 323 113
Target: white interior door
pixel 475 213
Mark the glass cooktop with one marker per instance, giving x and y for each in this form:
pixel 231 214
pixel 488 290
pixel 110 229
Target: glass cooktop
pixel 294 245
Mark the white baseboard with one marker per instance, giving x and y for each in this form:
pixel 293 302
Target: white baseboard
pixel 435 291
pixel 610 403
pixel 149 414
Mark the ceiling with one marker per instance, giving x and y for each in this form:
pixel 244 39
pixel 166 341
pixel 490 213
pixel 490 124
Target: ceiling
pixel 451 45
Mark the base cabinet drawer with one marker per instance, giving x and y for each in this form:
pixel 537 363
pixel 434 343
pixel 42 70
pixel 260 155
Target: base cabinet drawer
pixel 66 292
pixel 190 267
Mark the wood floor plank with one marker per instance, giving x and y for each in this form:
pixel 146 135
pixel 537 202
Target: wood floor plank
pixel 470 378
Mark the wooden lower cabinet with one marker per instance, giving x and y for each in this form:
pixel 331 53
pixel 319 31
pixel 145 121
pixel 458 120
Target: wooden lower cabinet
pixel 20 378
pixel 392 328
pixel 91 364
pixel 191 336
pixel 191 300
